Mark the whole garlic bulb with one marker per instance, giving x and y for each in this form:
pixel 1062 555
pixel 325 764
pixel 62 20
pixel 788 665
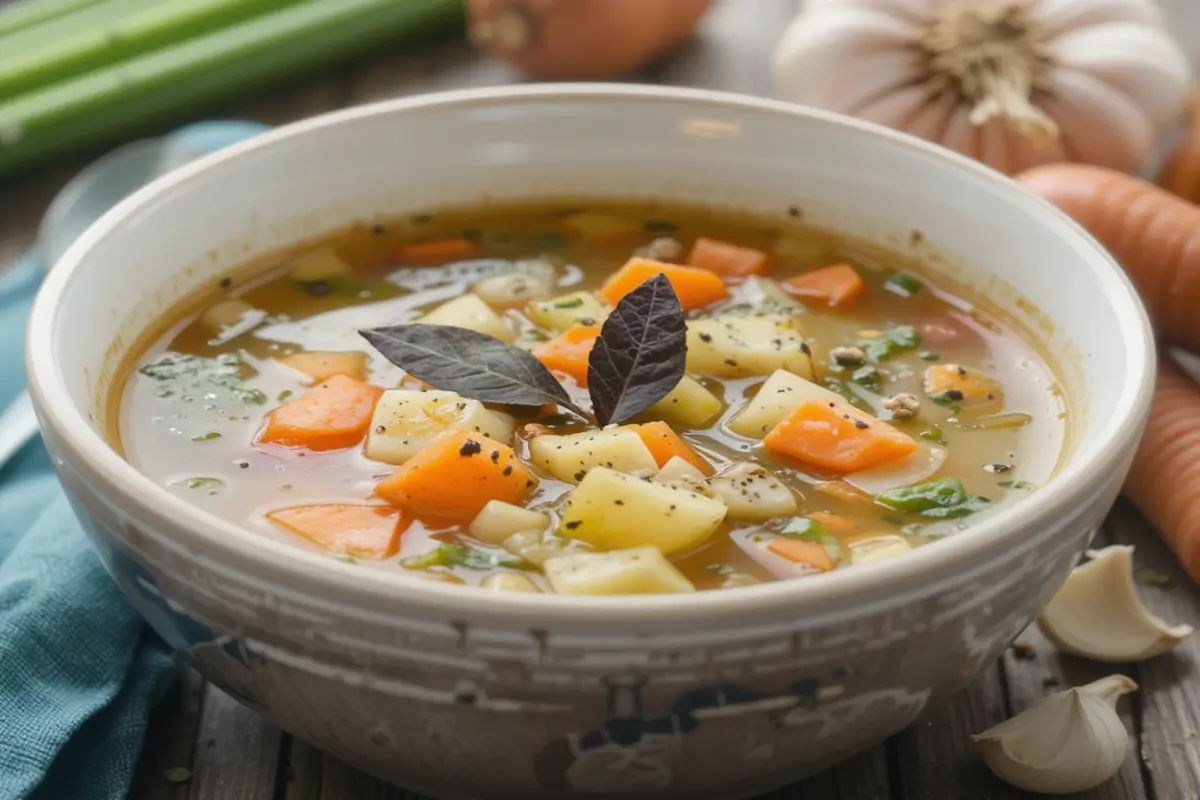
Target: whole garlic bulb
pixel 1013 83
pixel 1067 742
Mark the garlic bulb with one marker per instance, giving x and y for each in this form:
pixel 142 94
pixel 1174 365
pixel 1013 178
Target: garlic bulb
pixel 1013 83
pixel 1068 742
pixel 1097 613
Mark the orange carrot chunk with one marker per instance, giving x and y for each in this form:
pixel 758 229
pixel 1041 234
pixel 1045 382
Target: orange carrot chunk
pixel 696 288
pixel 330 416
pixel 832 522
pixel 840 490
pixel 437 250
pixel 836 285
pixel 353 529
pixel 568 353
pixel 840 439
pixel 727 260
pixel 800 552
pixel 664 444
pixel 456 475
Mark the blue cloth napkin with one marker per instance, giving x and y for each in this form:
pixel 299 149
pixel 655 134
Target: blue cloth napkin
pixel 79 671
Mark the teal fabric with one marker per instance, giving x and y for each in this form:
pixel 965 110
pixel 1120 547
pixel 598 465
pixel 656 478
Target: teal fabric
pixel 79 671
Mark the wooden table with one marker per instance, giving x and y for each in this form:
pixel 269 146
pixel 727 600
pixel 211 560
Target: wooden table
pixel 203 746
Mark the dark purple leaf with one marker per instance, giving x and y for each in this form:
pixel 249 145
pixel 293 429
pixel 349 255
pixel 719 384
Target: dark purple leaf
pixel 640 354
pixel 472 364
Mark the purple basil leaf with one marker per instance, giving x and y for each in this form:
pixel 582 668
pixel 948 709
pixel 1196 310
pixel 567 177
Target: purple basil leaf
pixel 640 354
pixel 472 364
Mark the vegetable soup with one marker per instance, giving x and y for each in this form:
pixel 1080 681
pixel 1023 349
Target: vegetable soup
pixel 590 398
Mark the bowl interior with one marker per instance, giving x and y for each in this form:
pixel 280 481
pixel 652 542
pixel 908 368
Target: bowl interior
pixel 974 225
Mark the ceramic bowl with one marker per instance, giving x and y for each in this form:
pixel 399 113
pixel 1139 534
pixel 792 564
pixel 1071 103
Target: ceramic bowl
pixel 458 693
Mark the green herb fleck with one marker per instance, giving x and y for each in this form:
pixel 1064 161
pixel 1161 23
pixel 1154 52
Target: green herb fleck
pixel 1020 486
pixel 903 285
pixel 660 225
pixel 457 555
pixel 549 241
pixel 928 355
pixel 178 774
pixel 345 558
pixel 933 434
pixel 207 437
pixel 212 484
pixel 221 374
pixel 284 395
pixel 945 498
pixel 472 235
pixel 868 377
pixel 895 340
pixel 1152 577
pixel 719 569
pixel 805 529
pixel 894 521
pixel 574 302
pixel 162 391
pixel 949 399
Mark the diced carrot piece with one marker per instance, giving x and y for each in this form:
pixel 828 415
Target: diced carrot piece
pixel 322 366
pixel 437 250
pixel 456 475
pixel 836 285
pixel 840 438
pixel 695 287
pixel 843 491
pixel 728 260
pixel 354 529
pixel 568 352
pixel 330 416
pixel 832 522
pixel 664 444
pixel 798 551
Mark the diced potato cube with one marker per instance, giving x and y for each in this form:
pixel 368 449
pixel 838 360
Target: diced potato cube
pixel 781 393
pixel 499 520
pixel 510 290
pixel 231 314
pixel 569 457
pixel 319 265
pixel 734 346
pixel 641 570
pixel 321 366
pixel 600 226
pixel 954 384
pixel 751 492
pixel 509 581
pixel 406 420
pixel 537 547
pixel 879 548
pixel 611 510
pixel 763 294
pixel 469 311
pixel 688 404
pixel 560 313
pixel 679 470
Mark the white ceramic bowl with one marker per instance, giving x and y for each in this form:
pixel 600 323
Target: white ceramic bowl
pixel 463 694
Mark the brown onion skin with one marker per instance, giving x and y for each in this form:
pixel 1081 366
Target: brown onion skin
pixel 586 39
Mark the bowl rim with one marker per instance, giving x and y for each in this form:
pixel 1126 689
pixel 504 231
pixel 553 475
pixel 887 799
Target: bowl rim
pixel 888 582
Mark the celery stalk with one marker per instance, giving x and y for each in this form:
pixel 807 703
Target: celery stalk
pixel 30 13
pixel 167 85
pixel 74 44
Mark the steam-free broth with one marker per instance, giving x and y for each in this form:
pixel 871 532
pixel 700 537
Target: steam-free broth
pixel 839 406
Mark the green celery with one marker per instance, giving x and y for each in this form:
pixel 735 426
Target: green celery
pixel 129 28
pixel 172 83
pixel 28 14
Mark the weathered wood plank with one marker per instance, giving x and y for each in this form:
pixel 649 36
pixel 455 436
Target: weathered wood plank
pixel 1170 693
pixel 863 777
pixel 1033 669
pixel 170 745
pixel 237 754
pixel 732 50
pixel 313 775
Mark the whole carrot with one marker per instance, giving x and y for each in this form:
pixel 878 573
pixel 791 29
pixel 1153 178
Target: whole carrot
pixel 1152 233
pixel 1166 470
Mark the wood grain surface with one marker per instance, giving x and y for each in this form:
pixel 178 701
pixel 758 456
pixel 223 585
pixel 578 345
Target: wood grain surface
pixel 204 746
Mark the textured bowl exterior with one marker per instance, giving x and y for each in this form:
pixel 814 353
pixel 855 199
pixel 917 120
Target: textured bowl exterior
pixel 459 693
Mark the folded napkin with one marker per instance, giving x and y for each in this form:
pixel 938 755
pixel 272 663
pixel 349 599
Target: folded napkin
pixel 79 671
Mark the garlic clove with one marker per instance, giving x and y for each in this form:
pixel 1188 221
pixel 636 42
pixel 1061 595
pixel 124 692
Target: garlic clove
pixel 814 43
pixel 913 11
pixel 1062 16
pixel 931 121
pixel 857 80
pixel 1102 125
pixel 895 109
pixel 1143 63
pixel 1097 613
pixel 1067 742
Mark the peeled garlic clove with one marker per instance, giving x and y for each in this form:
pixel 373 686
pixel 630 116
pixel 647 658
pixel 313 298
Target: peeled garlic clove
pixel 1101 125
pixel 1063 16
pixel 1068 742
pixel 1097 613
